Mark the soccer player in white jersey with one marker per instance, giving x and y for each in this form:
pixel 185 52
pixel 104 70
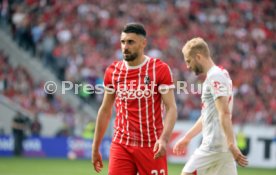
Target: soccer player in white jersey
pixel 218 151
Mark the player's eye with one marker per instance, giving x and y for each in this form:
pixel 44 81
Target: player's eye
pixel 130 41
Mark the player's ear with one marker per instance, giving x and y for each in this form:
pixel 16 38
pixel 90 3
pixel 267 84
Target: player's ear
pixel 198 57
pixel 144 42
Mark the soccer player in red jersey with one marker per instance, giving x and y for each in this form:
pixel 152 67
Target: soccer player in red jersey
pixel 140 86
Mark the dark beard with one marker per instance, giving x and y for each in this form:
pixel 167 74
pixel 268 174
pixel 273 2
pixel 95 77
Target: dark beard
pixel 198 70
pixel 130 57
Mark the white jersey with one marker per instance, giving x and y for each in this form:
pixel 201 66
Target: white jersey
pixel 217 83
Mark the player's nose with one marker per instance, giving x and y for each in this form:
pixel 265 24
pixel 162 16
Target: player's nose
pixel 126 51
pixel 125 46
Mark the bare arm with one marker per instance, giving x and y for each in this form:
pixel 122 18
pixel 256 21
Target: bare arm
pixel 226 123
pixel 225 119
pixel 103 118
pixel 181 144
pixel 195 130
pixel 171 115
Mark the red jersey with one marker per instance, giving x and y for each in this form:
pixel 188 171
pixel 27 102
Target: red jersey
pixel 138 100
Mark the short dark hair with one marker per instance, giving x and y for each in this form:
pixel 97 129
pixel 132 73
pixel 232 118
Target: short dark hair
pixel 136 28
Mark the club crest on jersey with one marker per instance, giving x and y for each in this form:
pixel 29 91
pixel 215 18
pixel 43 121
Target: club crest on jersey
pixel 146 80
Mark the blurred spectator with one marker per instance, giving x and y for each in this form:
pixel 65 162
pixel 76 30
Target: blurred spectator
pixel 19 126
pixel 63 132
pixel 36 127
pixel 242 141
pixel 89 129
pixel 69 120
pixel 2 131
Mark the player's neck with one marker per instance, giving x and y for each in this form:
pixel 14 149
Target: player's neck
pixel 138 61
pixel 208 65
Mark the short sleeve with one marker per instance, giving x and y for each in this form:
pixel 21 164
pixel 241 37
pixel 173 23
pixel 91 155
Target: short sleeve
pixel 108 79
pixel 165 77
pixel 220 86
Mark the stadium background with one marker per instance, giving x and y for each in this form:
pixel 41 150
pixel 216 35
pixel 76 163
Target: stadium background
pixel 75 40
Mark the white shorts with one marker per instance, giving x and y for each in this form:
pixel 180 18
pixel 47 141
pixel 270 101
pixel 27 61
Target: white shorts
pixel 211 163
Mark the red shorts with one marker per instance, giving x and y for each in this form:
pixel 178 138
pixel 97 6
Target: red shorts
pixel 130 160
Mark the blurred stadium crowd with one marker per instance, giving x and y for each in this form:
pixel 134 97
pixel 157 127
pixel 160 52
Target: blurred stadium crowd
pixel 78 39
pixel 23 90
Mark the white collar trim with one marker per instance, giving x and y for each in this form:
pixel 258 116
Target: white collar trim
pixel 138 66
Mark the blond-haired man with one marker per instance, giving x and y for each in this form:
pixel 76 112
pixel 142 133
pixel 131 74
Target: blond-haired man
pixel 218 151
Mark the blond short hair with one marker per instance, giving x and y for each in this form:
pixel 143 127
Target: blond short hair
pixel 196 46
